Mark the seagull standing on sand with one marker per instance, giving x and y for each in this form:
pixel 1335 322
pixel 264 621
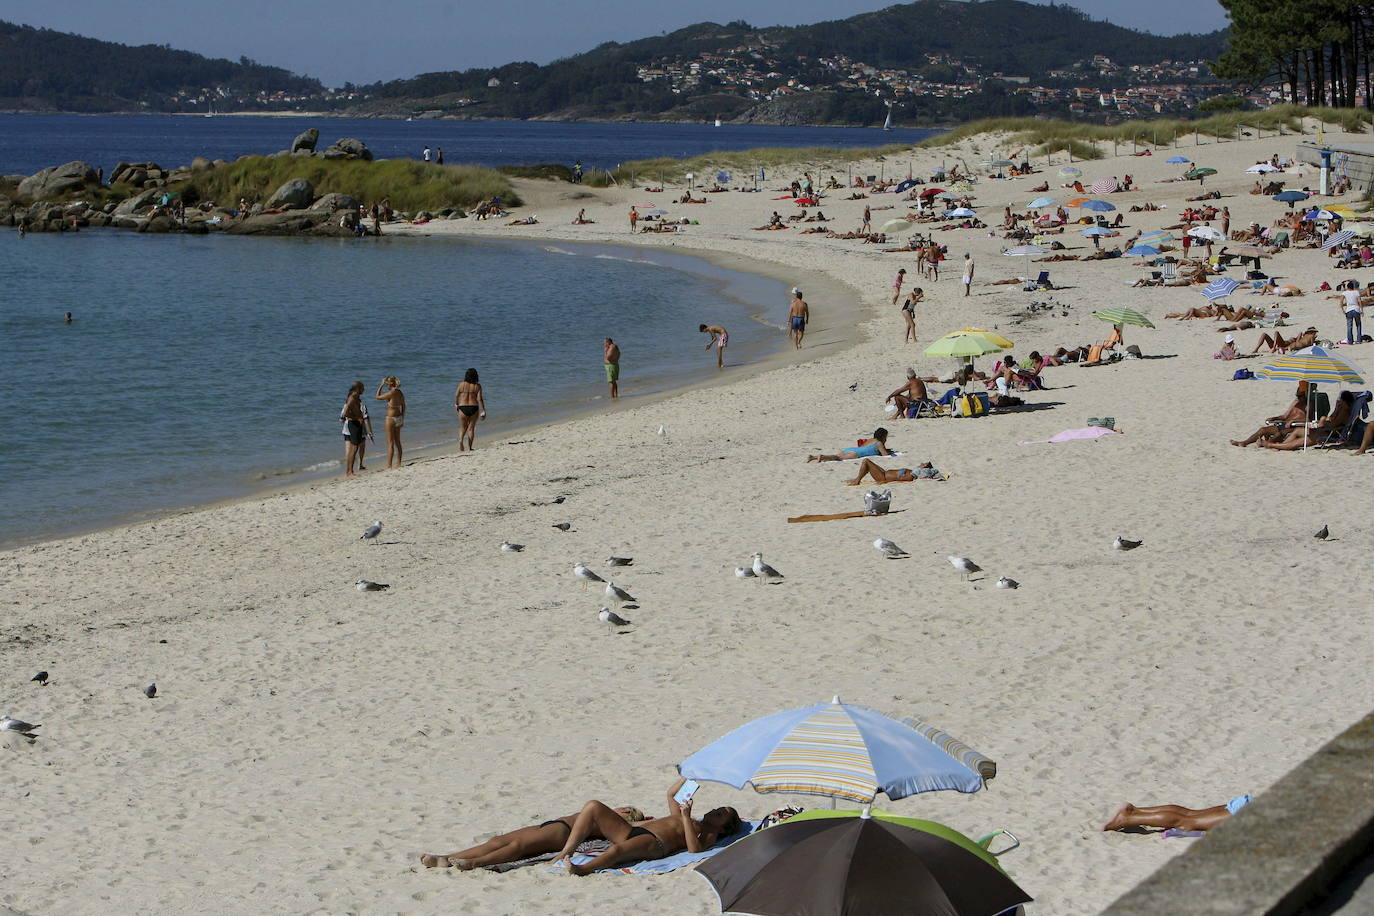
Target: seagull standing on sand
pixel 965 566
pixel 1004 582
pixel 586 575
pixel 615 593
pixel 508 547
pixel 745 572
pixel 888 549
pixel 366 585
pixel 372 531
pixel 1122 544
pixel 662 430
pixel 609 616
pixel 763 570
pixel 9 724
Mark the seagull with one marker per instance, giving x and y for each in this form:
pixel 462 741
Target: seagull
pixel 1122 544
pixel 1323 534
pixel 372 531
pixel 586 575
pixel 18 725
pixel 744 572
pixel 41 677
pixel 562 526
pixel 662 430
pixel 1004 582
pixel 854 387
pixel 763 570
pixel 150 691
pixel 621 561
pixel 512 548
pixel 364 585
pixel 889 549
pixel 618 594
pixel 965 566
pixel 609 616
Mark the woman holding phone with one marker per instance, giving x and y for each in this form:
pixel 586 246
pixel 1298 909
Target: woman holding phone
pixel 390 391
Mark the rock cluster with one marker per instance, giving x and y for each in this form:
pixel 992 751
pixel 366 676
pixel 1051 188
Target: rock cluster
pixel 344 148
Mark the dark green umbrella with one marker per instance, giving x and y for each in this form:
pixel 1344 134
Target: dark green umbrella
pixel 828 863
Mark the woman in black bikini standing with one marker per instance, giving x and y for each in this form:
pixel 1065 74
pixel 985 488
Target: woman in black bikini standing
pixel 467 400
pixel 519 844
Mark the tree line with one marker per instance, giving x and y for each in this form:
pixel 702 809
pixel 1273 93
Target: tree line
pixel 1319 50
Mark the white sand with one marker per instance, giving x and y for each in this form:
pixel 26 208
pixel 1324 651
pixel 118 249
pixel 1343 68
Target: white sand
pixel 310 741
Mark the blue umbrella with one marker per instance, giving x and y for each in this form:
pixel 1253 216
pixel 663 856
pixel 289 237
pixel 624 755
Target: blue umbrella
pixel 1220 288
pixel 1159 235
pixel 1096 230
pixel 1144 250
pixel 841 751
pixel 1339 238
pixel 904 186
pixel 1101 205
pixel 1290 197
pixel 1042 202
pixel 1178 159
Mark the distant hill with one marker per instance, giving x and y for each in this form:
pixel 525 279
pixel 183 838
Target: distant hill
pixel 44 69
pixel 1006 36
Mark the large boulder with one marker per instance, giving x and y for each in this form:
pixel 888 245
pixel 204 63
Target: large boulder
pixel 332 202
pixel 348 148
pixel 60 179
pixel 141 201
pixel 295 194
pixel 201 164
pixel 305 140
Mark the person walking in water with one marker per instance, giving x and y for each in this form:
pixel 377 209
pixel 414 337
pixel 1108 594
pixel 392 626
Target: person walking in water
pixel 719 338
pixel 611 360
pixel 355 426
pixel 634 217
pixel 471 407
pixel 797 316
pixel 390 391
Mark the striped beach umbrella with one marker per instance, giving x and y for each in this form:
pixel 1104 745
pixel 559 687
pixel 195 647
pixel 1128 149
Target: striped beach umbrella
pixel 1314 364
pixel 837 750
pixel 1104 186
pixel 1071 172
pixel 1123 316
pixel 1148 251
pixel 1339 238
pixel 1220 288
pixel 962 211
pixel 1159 235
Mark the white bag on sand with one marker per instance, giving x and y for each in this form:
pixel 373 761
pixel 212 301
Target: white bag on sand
pixel 876 503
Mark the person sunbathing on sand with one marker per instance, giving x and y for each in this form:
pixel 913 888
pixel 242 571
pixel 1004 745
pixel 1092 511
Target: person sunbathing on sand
pixel 520 844
pixel 1302 435
pixel 870 468
pixel 651 839
pixel 874 447
pixel 1294 415
pixel 1206 311
pixel 1176 817
pixel 1277 344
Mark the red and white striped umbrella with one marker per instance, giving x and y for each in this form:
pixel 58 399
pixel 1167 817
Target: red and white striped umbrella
pixel 1104 186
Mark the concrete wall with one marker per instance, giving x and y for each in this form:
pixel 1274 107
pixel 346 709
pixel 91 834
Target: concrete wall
pixel 1360 168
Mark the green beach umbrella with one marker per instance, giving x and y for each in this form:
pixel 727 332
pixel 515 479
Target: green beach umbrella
pixel 1123 316
pixel 1199 173
pixel 962 345
pixel 990 336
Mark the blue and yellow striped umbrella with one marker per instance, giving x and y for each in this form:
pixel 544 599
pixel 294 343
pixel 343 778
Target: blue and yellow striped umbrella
pixel 838 751
pixel 1313 364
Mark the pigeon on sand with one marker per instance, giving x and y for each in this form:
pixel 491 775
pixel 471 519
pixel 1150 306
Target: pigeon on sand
pixel 586 575
pixel 562 526
pixel 41 677
pixel 1323 534
pixel 372 531
pixel 763 570
pixel 965 566
pixel 1122 544
pixel 609 616
pixel 150 691
pixel 616 593
pixel 888 549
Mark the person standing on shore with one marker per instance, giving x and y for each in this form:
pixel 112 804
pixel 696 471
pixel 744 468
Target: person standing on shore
pixel 439 156
pixel 634 217
pixel 1226 221
pixel 425 154
pixel 797 316
pixel 968 270
pixel 471 407
pixel 909 312
pixel 390 391
pixel 719 338
pixel 354 421
pixel 897 283
pixel 611 359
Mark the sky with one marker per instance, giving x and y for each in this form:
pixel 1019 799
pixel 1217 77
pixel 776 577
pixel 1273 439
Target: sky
pixel 362 41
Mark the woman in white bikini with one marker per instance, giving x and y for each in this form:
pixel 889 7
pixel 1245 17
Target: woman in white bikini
pixel 390 391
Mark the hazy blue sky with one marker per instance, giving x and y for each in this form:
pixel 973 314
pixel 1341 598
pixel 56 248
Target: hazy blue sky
pixel 367 40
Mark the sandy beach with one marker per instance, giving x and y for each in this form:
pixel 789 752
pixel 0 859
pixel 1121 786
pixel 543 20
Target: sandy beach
pixel 309 741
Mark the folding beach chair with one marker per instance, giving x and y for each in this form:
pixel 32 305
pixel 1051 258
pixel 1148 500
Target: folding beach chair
pixel 1353 430
pixel 1169 270
pixel 1043 281
pixel 985 841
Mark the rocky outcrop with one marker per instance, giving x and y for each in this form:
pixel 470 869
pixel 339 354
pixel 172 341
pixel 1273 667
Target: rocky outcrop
pixel 295 194
pixel 306 140
pixel 147 175
pixel 332 202
pixel 292 222
pixel 141 201
pixel 348 148
pixel 58 180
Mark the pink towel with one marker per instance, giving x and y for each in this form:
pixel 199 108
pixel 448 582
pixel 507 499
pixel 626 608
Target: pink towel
pixel 1068 435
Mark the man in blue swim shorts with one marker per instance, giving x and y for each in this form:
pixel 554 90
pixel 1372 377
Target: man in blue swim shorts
pixel 1165 817
pixel 797 315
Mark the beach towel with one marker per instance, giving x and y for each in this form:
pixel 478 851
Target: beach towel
pixel 668 863
pixel 1069 435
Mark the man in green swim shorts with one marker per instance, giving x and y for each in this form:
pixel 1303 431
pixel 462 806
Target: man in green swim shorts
pixel 611 358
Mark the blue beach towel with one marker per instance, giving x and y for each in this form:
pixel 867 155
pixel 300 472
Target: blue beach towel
pixel 668 863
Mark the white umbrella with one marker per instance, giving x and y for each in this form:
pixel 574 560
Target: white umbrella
pixel 894 226
pixel 1021 251
pixel 1207 234
pixel 962 211
pixel 1261 168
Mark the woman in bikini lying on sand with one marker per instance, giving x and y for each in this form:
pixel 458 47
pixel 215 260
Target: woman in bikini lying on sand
pixel 870 468
pixel 521 844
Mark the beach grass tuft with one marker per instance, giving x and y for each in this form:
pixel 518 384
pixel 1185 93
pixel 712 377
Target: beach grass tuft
pixel 410 185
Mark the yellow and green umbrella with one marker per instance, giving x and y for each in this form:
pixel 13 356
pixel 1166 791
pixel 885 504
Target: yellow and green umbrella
pixel 1123 316
pixel 962 345
pixel 992 336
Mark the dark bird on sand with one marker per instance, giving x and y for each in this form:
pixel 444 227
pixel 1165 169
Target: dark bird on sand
pixel 150 691
pixel 1323 534
pixel 41 677
pixel 563 526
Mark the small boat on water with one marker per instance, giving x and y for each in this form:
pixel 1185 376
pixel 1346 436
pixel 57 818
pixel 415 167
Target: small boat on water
pixel 887 125
pixel 718 122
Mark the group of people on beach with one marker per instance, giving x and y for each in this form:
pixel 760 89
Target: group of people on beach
pixel 356 424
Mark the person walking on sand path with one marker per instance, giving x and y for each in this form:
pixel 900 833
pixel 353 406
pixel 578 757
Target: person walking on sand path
pixel 719 338
pixel 897 283
pixel 355 426
pixel 1353 309
pixel 611 359
pixel 390 391
pixel 797 315
pixel 1226 221
pixel 634 217
pixel 471 407
pixel 968 270
pixel 868 220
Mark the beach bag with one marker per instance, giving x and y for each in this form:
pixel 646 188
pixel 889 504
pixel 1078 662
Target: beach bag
pixel 1242 374
pixel 876 503
pixel 971 405
pixel 1103 422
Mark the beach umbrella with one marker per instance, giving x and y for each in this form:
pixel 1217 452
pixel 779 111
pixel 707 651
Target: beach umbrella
pixel 1342 211
pixel 1314 365
pixel 999 163
pixel 1159 235
pixel 1207 234
pixel 1099 205
pixel 1147 251
pixel 1220 288
pixel 1177 159
pixel 1338 238
pixel 1076 201
pixel 1315 214
pixel 895 226
pixel 840 751
pixel 1199 173
pixel 1096 230
pixel 1104 186
pixel 1123 316
pixel 1071 172
pixel 1290 197
pixel 1261 168
pixel 654 213
pixel 1042 202
pixel 962 211
pixel 830 863
pixel 904 187
pixel 962 345
pixel 991 336
pixel 931 192
pixel 1021 251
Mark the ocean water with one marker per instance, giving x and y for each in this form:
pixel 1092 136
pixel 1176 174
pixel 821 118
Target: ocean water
pixel 32 142
pixel 204 367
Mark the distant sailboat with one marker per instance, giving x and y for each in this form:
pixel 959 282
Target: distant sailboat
pixel 211 112
pixel 887 125
pixel 718 122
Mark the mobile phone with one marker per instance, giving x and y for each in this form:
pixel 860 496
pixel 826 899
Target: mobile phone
pixel 688 790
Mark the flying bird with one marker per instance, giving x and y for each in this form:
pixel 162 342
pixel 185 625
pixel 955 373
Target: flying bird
pixel 609 616
pixel 1004 582
pixel 965 566
pixel 372 531
pixel 888 549
pixel 365 585
pixel 1323 534
pixel 41 677
pixel 562 526
pixel 620 561
pixel 150 691
pixel 763 570
pixel 1122 544
pixel 18 725
pixel 745 572
pixel 616 593
pixel 512 548
pixel 586 575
